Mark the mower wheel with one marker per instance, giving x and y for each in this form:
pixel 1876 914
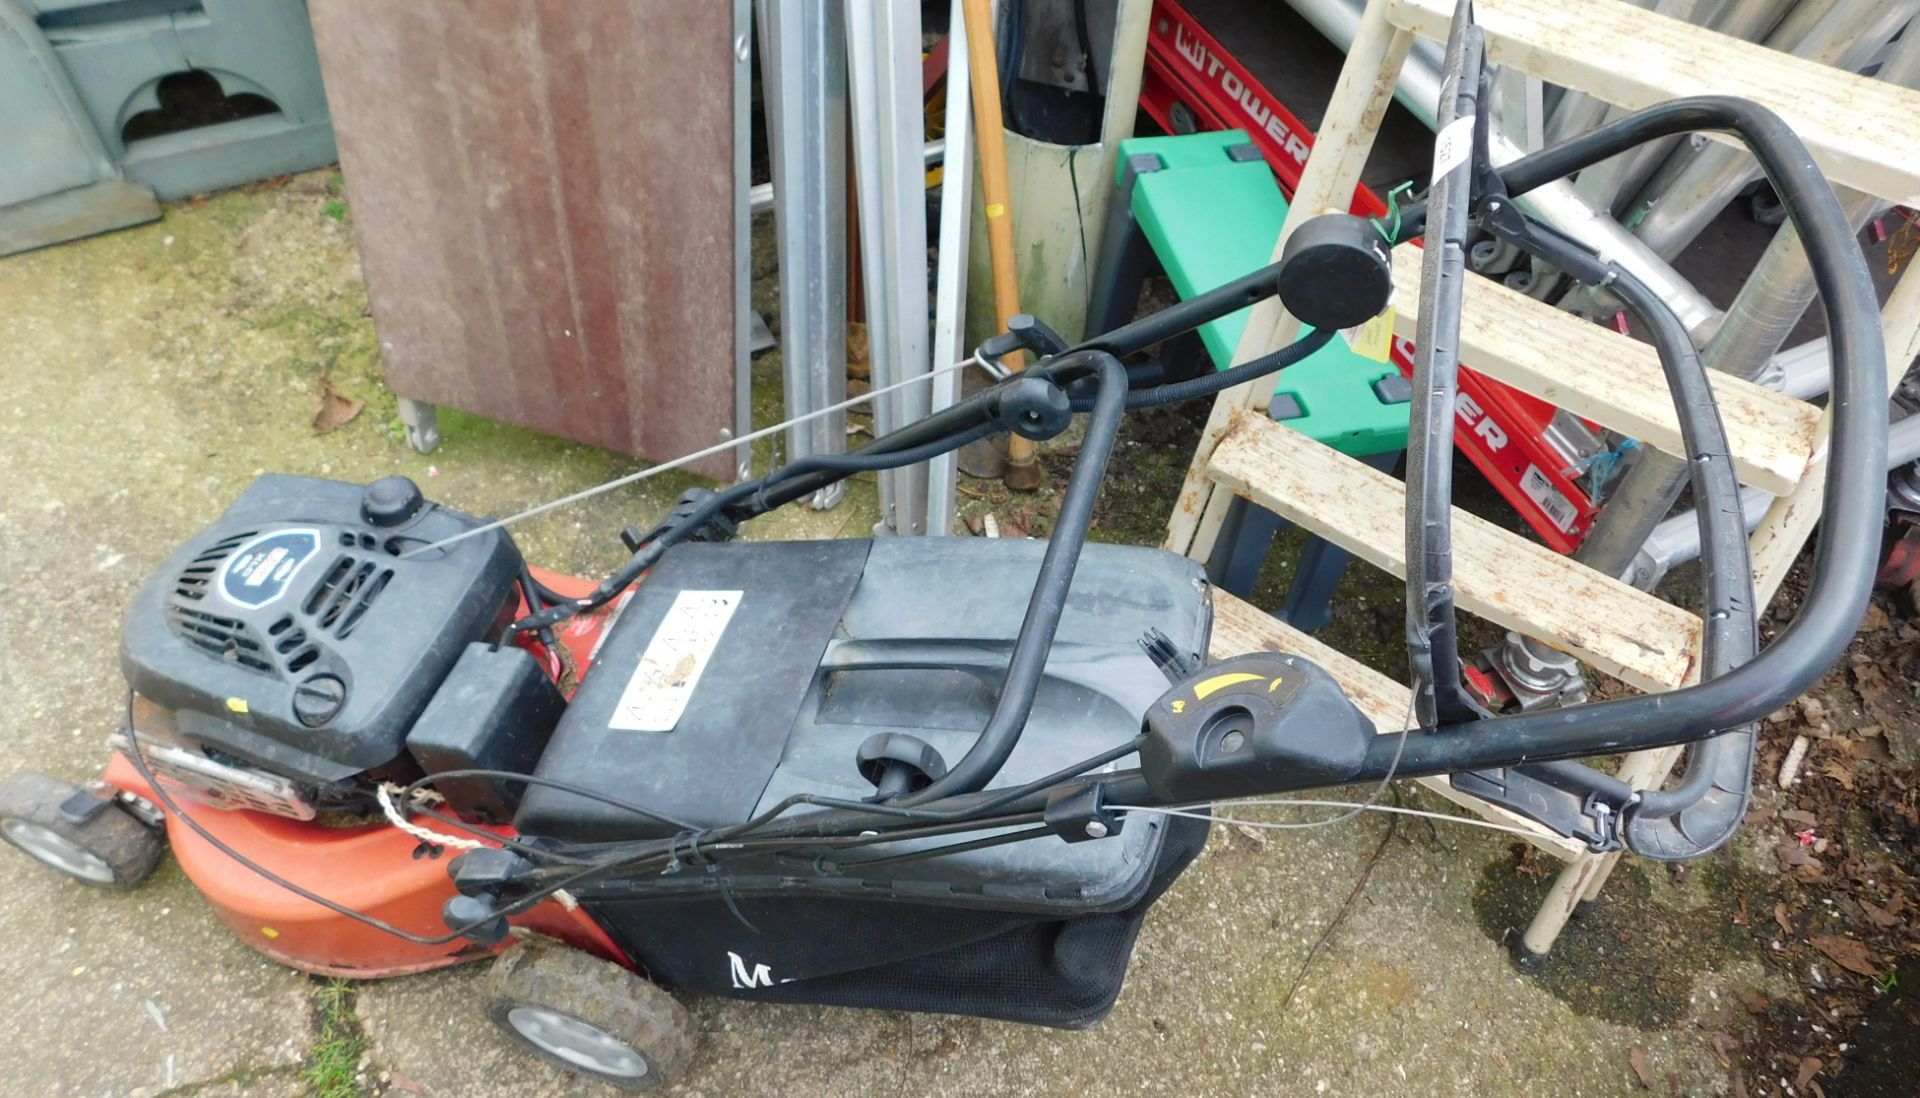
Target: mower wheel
pixel 589 1016
pixel 62 827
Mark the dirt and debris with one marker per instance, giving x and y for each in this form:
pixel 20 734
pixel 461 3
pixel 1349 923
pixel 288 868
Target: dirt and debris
pixel 1847 881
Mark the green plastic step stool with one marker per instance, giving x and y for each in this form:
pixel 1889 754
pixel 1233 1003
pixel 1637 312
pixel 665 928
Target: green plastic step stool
pixel 1207 208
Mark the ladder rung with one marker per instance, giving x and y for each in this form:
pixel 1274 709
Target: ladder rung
pixel 1862 132
pixel 1617 382
pixel 1239 627
pixel 1498 574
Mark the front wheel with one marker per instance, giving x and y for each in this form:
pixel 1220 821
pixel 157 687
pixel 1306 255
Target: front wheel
pixel 589 1016
pixel 67 829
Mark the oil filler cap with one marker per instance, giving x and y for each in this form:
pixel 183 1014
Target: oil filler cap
pixel 390 501
pixel 317 700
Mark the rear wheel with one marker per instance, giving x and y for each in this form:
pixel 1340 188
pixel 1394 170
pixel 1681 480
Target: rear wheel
pixel 589 1016
pixel 67 829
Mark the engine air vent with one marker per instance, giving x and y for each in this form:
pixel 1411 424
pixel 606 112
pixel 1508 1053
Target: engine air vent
pixel 345 593
pixel 197 576
pixel 226 638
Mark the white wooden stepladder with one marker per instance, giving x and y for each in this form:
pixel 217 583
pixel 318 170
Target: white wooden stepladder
pixel 1860 131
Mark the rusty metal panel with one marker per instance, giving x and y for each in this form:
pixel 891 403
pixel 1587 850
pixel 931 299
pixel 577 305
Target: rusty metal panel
pixel 543 196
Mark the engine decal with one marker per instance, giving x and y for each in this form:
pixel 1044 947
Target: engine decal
pixel 670 668
pixel 258 572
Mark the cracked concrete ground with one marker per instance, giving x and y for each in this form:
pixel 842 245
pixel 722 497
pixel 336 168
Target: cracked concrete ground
pixel 149 375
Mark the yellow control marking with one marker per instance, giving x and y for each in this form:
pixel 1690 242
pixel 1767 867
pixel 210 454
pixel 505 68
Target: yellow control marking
pixel 237 705
pixel 1179 705
pixel 1274 685
pixel 269 932
pixel 996 209
pixel 1220 682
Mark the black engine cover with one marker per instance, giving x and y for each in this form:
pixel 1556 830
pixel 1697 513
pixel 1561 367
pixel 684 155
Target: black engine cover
pixel 292 634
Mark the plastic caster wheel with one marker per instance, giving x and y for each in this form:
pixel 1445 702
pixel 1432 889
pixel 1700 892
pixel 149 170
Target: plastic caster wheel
pixel 589 1016
pixel 67 829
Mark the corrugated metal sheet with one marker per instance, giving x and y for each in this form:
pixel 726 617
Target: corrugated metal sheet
pixel 543 198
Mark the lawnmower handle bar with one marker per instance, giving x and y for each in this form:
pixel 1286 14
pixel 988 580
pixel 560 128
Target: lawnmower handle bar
pixel 1844 559
pixel 1836 598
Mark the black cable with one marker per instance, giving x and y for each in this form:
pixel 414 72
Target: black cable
pixel 549 783
pixel 951 848
pixel 874 456
pixel 867 463
pixel 536 598
pixel 174 811
pixel 972 810
pixel 1209 384
pixel 1084 34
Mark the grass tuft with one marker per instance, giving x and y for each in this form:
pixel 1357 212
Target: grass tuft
pixel 334 1059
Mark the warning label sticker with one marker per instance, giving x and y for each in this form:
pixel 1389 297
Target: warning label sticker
pixel 670 668
pixel 1557 507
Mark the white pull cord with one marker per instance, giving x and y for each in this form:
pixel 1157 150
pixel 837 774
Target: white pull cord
pixel 688 459
pixel 385 794
pixel 426 835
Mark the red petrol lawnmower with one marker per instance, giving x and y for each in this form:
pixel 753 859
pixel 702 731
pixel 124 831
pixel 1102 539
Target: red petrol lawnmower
pixel 935 774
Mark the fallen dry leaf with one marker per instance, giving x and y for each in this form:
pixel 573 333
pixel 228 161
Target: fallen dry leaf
pixel 411 1086
pixel 1809 1068
pixel 1741 916
pixel 1755 1002
pixel 1880 916
pixel 1847 953
pixel 1739 1084
pixel 1780 916
pixel 1637 1056
pixel 1792 854
pixel 1723 1048
pixel 1834 769
pixel 336 409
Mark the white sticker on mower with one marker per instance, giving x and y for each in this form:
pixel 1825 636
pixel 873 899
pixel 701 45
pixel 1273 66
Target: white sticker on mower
pixel 1541 490
pixel 1452 146
pixel 670 668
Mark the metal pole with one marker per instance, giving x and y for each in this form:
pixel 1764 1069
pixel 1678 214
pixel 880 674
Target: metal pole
pixel 804 77
pixel 742 236
pixel 760 198
pixel 1557 203
pixel 950 279
pixel 1702 177
pixel 1677 540
pixel 883 68
pixel 1603 184
pixel 1765 311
